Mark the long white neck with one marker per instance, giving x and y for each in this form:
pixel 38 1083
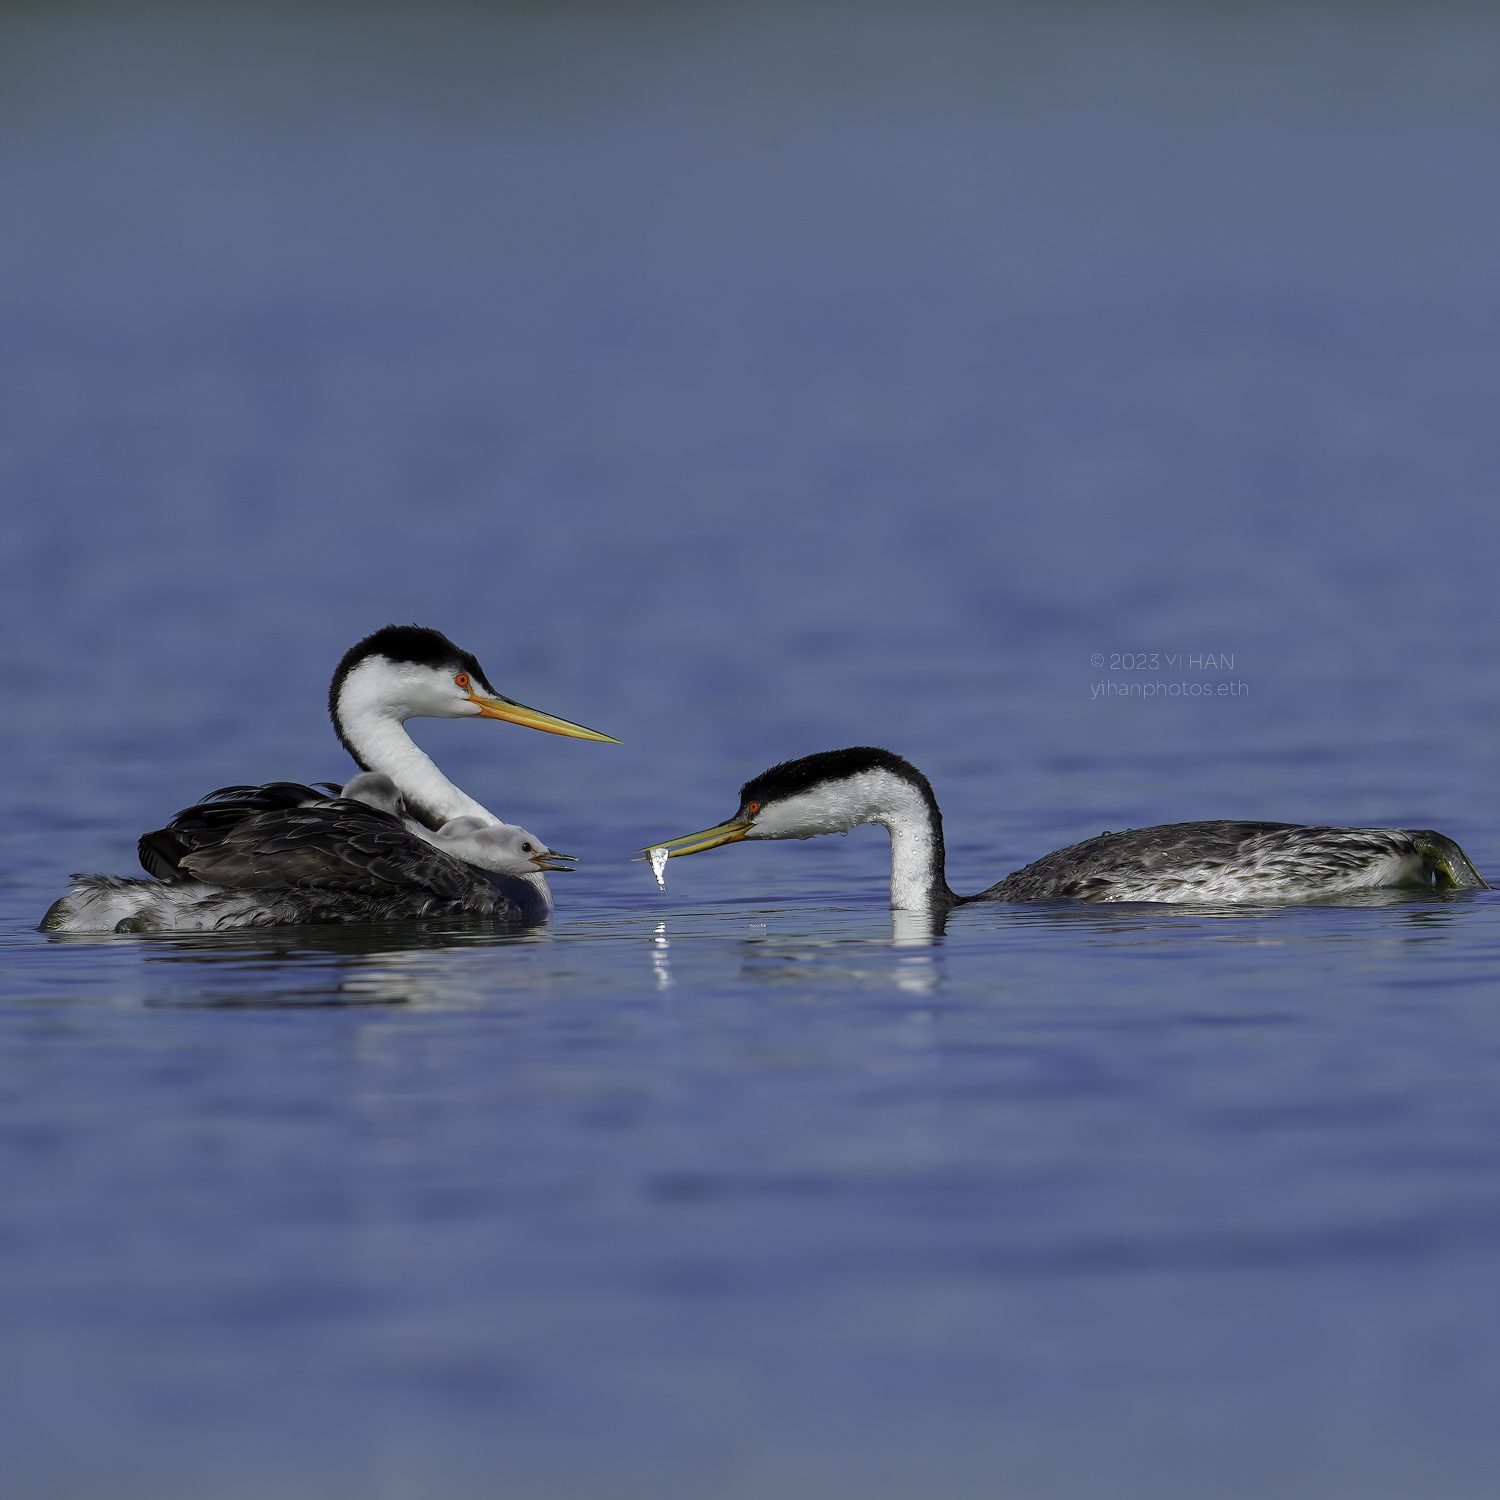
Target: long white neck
pixel 374 703
pixel 382 744
pixel 879 796
pixel 916 858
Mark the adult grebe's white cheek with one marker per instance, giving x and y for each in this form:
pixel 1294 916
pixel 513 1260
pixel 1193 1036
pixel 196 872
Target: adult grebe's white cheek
pixel 378 689
pixel 429 694
pixel 824 809
pixel 780 821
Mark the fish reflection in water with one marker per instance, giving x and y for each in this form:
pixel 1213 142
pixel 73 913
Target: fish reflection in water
pixel 661 964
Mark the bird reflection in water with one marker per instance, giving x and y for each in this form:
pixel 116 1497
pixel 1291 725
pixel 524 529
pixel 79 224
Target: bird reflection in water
pixel 435 978
pixel 909 959
pixel 917 972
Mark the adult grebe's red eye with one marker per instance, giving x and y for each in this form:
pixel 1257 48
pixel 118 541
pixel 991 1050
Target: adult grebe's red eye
pixel 753 807
pixel 462 680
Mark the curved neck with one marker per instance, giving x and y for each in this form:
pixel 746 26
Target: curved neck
pixel 919 880
pixel 904 805
pixel 377 739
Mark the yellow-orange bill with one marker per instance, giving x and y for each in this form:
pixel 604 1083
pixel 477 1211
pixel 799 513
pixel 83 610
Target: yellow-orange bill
pixel 534 718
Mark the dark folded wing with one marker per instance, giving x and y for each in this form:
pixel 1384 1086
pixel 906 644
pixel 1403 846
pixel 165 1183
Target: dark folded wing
pixel 334 845
pixel 1089 870
pixel 230 804
pixel 163 849
pixel 1281 856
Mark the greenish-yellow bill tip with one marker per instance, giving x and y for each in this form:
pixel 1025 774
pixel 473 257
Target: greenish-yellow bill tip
pixel 695 843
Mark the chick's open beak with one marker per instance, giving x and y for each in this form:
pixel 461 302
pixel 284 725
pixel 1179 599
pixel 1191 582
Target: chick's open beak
pixel 710 838
pixel 533 718
pixel 543 861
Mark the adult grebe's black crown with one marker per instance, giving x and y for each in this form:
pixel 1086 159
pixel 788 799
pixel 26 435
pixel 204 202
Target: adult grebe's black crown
pixel 408 643
pixel 793 777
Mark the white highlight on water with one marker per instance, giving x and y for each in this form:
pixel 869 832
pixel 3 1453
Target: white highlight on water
pixel 659 857
pixel 661 964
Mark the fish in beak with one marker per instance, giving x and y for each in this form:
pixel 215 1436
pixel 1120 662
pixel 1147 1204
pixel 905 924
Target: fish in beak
pixel 710 838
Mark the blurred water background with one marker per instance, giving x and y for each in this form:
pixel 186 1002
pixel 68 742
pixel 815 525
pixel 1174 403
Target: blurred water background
pixel 749 380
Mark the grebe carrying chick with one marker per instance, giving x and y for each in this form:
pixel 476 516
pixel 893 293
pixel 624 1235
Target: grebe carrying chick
pixel 836 790
pixel 398 841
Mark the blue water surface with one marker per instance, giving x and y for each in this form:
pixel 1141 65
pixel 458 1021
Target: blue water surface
pixel 993 383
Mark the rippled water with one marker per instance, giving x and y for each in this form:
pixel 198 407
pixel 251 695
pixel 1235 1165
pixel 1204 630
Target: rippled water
pixel 748 382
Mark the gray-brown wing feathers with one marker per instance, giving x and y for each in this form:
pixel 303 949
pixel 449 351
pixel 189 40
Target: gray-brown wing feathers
pixel 1233 860
pixel 340 846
